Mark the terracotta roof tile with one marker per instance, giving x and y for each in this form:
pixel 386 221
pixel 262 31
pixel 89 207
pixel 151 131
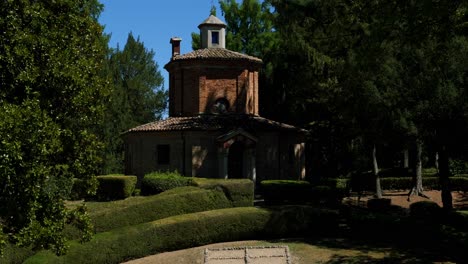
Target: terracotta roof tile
pixel 215 122
pixel 215 53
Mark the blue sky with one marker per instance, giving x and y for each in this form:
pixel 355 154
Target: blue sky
pixel 155 22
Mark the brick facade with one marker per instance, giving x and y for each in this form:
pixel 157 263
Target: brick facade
pixel 195 87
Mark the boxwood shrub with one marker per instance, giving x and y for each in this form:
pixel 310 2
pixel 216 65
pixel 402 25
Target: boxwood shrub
pixel 279 191
pixel 329 192
pixel 239 191
pixel 177 201
pixel 115 187
pixel 184 231
pixel 158 182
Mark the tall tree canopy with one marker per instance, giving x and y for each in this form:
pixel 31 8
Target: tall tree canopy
pixel 51 99
pixel 138 97
pixel 372 71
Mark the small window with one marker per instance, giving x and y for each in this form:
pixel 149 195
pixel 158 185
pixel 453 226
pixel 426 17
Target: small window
pixel 163 154
pixel 214 37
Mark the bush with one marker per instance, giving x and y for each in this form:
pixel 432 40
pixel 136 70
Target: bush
pixel 115 187
pixel 299 220
pixel 184 231
pixel 239 191
pixel 379 204
pixel 83 189
pixel 403 183
pixel 425 210
pixel 459 183
pixel 13 254
pixel 180 200
pixel 158 182
pixel 275 191
pixel 287 191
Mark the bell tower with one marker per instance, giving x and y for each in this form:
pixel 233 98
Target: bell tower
pixel 212 33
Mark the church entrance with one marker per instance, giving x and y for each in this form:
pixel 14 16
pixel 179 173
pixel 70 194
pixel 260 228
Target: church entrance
pixel 235 160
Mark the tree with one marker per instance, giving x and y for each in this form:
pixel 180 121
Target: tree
pixel 51 54
pixel 433 39
pixel 138 97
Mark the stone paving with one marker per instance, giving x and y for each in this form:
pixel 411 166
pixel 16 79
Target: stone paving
pixel 248 255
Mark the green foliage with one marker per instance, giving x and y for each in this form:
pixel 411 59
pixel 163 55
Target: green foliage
pixel 115 187
pixel 406 183
pixel 328 192
pixel 137 97
pixel 426 210
pixel 51 100
pixel 190 230
pixel 312 221
pixel 239 191
pixel 158 182
pixel 13 254
pixel 182 200
pixel 275 191
pixel 83 189
pixel 379 204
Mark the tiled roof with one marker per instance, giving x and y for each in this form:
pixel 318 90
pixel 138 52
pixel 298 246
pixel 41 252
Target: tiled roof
pixel 215 53
pixel 212 20
pixel 215 122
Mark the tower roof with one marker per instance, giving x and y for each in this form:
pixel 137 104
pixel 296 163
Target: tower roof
pixel 212 20
pixel 215 53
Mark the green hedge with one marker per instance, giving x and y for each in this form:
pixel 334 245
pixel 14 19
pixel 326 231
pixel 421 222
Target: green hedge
pixel 158 182
pixel 405 183
pixel 330 192
pixel 184 231
pixel 277 191
pixel 13 254
pixel 115 187
pixel 239 191
pixel 180 200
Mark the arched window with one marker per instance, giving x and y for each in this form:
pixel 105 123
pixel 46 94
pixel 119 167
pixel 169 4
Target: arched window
pixel 220 106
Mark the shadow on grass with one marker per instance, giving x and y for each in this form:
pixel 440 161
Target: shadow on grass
pixel 372 251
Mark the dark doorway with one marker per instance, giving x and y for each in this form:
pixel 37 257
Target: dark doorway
pixel 235 158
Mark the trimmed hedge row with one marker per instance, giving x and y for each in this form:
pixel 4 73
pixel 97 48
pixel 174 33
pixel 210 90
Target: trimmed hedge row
pixel 115 187
pixel 239 191
pixel 329 192
pixel 405 183
pixel 180 200
pixel 13 254
pixel 158 182
pixel 191 230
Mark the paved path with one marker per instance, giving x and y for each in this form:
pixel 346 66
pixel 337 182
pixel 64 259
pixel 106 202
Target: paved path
pixel 248 255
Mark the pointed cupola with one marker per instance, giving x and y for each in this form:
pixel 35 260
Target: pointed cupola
pixel 212 33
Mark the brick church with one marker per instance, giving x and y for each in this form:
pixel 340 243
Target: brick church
pixel 214 129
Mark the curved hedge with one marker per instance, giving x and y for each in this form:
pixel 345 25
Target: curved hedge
pixel 189 230
pixel 158 182
pixel 180 200
pixel 239 191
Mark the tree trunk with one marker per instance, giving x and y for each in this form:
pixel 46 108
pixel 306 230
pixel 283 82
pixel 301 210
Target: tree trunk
pixel 444 174
pixel 375 170
pixel 436 161
pixel 406 158
pixel 417 188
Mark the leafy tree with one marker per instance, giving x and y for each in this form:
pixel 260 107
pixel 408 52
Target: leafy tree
pixel 138 97
pixel 52 102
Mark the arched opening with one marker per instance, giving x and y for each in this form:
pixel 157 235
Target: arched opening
pixel 235 160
